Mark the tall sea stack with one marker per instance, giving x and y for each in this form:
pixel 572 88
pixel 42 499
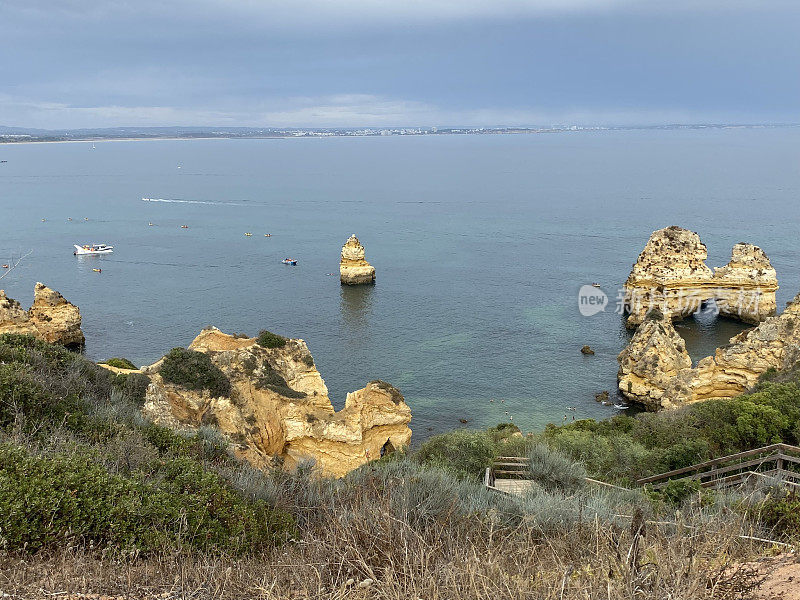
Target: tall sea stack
pixel 353 268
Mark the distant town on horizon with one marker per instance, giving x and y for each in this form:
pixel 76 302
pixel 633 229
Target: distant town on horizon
pixel 22 134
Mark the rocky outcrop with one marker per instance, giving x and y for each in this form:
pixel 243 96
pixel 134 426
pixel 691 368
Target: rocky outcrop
pixel 655 370
pixel 671 275
pixel 353 267
pixel 51 318
pixel 734 369
pixel 745 287
pixel 654 356
pixel 279 410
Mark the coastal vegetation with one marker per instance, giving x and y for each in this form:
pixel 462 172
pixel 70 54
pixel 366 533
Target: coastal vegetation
pixel 267 339
pixel 115 503
pixel 119 363
pixel 194 371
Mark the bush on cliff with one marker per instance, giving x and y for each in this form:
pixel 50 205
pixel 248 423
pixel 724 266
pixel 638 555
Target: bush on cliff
pixel 69 498
pixel 624 449
pixel 80 466
pixel 267 339
pixel 119 363
pixel 194 371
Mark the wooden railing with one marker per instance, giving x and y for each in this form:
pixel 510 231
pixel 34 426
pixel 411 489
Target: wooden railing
pixel 780 462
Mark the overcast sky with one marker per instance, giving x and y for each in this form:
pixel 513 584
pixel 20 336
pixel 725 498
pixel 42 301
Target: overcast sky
pixel 104 63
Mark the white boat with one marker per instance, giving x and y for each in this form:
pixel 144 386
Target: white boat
pixel 93 249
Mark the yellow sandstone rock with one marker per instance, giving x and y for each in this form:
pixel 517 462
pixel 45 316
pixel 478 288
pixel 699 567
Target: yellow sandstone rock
pixel 670 274
pixel 655 370
pixel 353 267
pixel 279 407
pixel 50 318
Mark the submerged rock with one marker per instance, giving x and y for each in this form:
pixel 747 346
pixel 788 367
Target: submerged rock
pixel 51 318
pixel 587 350
pixel 670 274
pixel 353 267
pixel 278 407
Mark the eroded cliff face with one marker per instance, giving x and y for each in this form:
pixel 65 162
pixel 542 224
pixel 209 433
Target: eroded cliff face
pixel 279 407
pixel 654 370
pixel 50 318
pixel 654 356
pixel 353 267
pixel 670 274
pixel 734 369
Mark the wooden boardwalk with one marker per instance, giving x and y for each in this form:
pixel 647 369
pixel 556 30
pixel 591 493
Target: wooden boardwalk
pixel 777 462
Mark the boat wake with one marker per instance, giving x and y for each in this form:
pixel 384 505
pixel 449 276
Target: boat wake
pixel 182 201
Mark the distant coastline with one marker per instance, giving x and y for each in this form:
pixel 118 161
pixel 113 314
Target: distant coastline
pixel 13 135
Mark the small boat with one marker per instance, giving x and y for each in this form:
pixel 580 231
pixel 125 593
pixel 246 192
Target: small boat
pixel 149 224
pixel 69 218
pixel 43 220
pixel 289 261
pixel 621 406
pixel 597 285
pixel 3 161
pixel 248 234
pixel 4 266
pixel 184 227
pixel 267 235
pixel 97 270
pixel 93 249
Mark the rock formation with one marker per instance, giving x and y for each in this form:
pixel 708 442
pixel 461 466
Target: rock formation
pixel 655 370
pixel 654 356
pixel 279 407
pixel 51 318
pixel 353 267
pixel 671 275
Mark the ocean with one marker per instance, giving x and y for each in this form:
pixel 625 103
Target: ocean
pixel 480 242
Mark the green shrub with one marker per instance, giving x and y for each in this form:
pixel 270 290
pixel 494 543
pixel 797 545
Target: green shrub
pixel 555 471
pixel 23 397
pixel 267 339
pixel 462 452
pixel 194 371
pixel 780 512
pixel 738 424
pixel 678 490
pixel 119 363
pixel 52 501
pixel 269 378
pixel 133 386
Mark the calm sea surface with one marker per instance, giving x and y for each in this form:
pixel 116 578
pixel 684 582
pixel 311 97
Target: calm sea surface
pixel 480 244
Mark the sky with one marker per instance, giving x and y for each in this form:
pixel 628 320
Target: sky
pixel 379 63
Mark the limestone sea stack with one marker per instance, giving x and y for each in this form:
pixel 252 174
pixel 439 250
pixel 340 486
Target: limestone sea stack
pixel 353 267
pixel 51 318
pixel 654 356
pixel 671 274
pixel 655 370
pixel 278 407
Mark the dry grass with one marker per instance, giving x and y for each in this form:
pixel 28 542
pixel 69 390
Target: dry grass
pixel 374 554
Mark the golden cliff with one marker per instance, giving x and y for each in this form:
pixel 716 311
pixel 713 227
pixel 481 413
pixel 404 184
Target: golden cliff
pixel 278 407
pixel 353 267
pixel 655 370
pixel 51 318
pixel 671 274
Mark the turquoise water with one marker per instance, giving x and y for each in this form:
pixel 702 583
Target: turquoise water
pixel 480 244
